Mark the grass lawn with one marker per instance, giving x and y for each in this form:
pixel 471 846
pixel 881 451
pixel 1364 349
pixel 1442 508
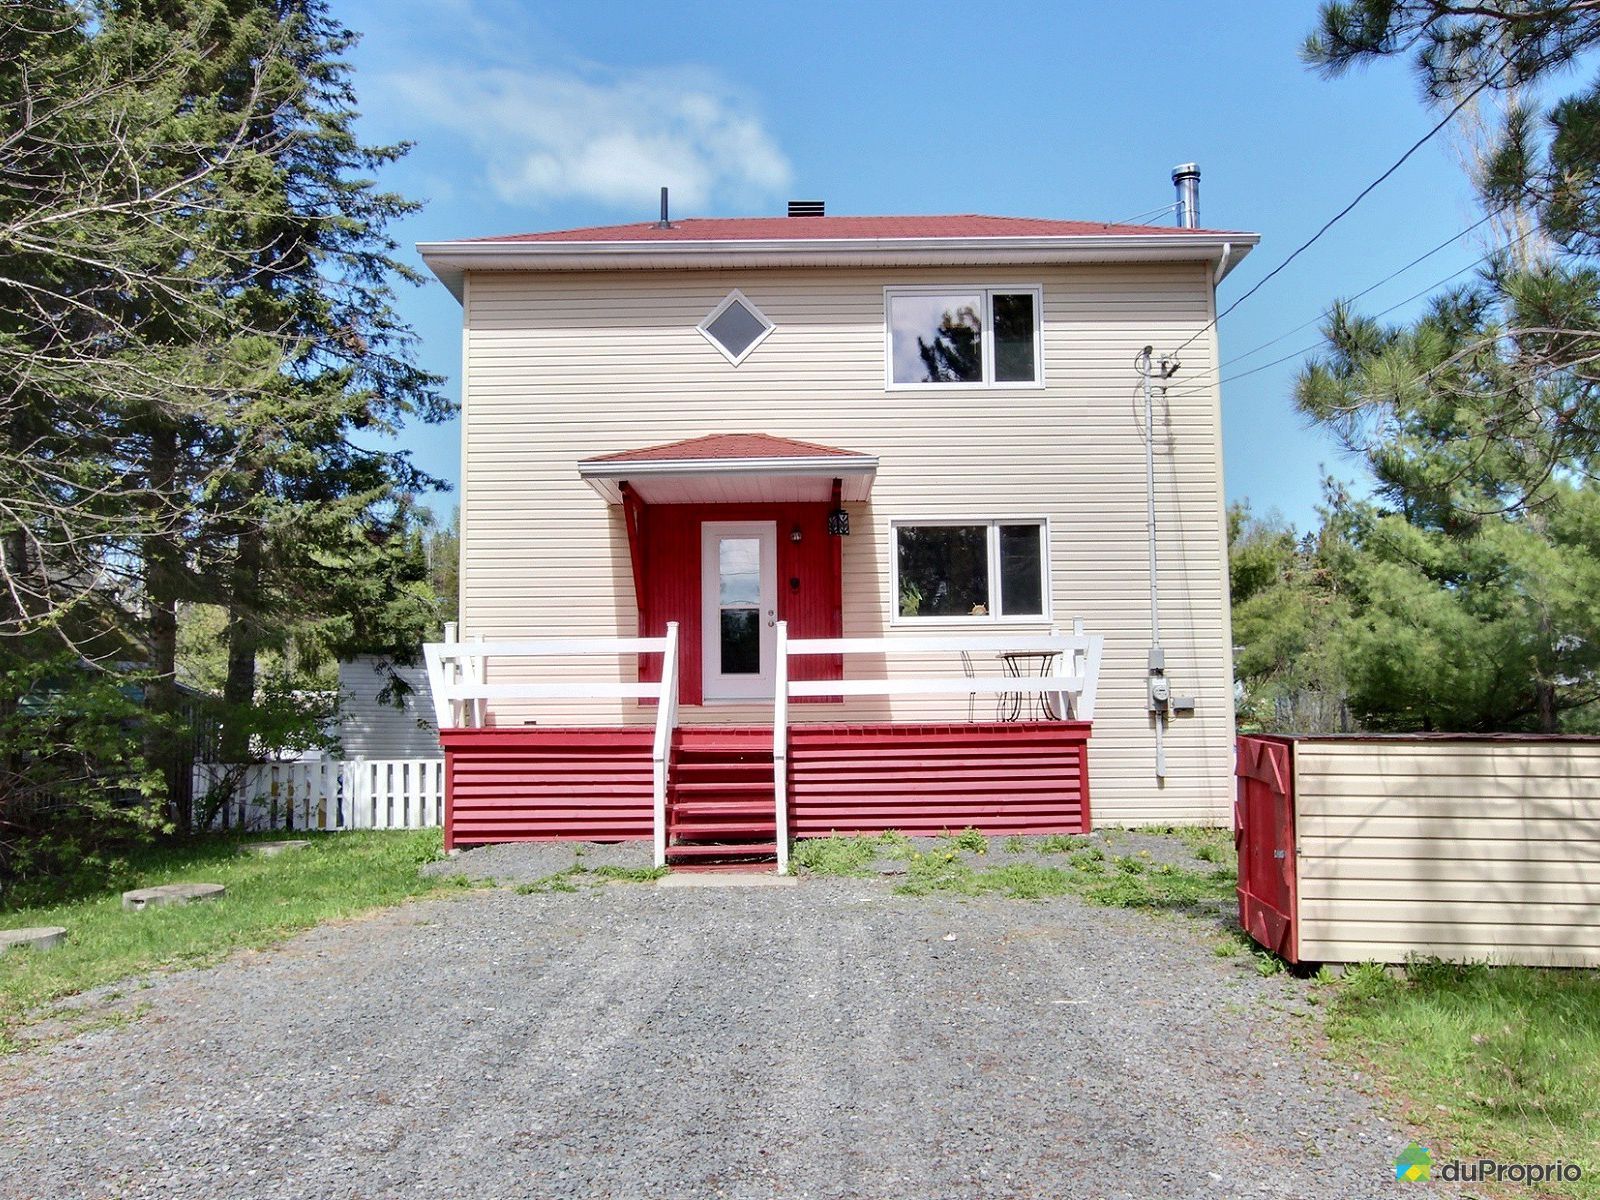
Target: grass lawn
pixel 338 875
pixel 1498 1062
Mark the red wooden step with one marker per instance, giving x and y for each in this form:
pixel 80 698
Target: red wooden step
pixel 720 770
pixel 725 850
pixel 706 829
pixel 746 865
pixel 692 789
pixel 722 808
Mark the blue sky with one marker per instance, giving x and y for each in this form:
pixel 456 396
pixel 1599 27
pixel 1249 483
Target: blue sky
pixel 540 116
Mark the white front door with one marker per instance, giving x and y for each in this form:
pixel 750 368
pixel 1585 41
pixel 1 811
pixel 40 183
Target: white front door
pixel 738 608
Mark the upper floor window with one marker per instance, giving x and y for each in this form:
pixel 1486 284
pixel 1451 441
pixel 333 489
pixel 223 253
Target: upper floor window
pixel 955 337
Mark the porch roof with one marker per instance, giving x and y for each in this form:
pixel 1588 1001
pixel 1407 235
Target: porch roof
pixel 731 468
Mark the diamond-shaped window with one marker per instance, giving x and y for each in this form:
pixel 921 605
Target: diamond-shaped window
pixel 735 327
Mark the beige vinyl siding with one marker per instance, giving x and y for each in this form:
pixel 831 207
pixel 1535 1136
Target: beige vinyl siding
pixel 564 366
pixel 1454 849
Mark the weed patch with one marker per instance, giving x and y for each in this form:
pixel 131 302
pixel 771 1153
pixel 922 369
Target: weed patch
pixel 969 840
pixel 1084 875
pixel 1061 843
pixel 568 880
pixel 838 854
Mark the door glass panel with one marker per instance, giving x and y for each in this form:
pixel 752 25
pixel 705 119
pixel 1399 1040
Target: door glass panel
pixel 739 597
pixel 739 566
pixel 741 641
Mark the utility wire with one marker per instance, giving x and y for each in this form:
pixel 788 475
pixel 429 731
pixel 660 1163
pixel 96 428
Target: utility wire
pixel 1345 211
pixel 1154 212
pixel 1190 387
pixel 1366 291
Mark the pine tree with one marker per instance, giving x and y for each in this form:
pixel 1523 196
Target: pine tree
pixel 1471 574
pixel 1548 151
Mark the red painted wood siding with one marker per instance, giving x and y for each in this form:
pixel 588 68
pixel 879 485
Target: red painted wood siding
pixel 556 784
pixel 671 586
pixel 572 784
pixel 1263 833
pixel 1019 777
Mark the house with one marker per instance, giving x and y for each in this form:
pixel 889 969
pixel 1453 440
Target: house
pixel 377 720
pixel 779 525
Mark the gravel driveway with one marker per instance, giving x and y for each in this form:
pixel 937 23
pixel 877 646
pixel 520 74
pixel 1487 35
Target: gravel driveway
pixel 834 1039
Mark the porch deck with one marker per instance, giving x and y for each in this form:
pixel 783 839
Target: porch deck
pixel 595 784
pixel 735 794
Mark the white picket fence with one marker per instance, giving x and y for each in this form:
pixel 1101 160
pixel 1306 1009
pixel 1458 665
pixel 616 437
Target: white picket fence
pixel 363 793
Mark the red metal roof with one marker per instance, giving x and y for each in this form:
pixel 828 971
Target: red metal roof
pixel 755 229
pixel 728 445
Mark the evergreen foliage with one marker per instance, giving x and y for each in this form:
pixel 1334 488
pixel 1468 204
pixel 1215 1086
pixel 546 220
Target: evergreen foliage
pixel 1464 593
pixel 200 367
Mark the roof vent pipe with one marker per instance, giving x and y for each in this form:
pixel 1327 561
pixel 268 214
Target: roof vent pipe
pixel 1186 178
pixel 664 223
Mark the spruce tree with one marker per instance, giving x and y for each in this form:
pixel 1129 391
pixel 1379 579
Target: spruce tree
pixel 306 538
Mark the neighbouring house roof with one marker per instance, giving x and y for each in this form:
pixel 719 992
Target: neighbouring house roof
pixel 968 239
pixel 731 468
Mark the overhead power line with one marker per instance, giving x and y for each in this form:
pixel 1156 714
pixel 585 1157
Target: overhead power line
pixel 1366 291
pixel 1348 208
pixel 1192 386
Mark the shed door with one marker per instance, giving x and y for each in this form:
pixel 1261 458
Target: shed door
pixel 739 608
pixel 1263 823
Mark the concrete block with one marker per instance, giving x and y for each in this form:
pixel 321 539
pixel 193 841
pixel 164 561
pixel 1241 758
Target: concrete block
pixel 40 937
pixel 725 879
pixel 171 893
pixel 273 849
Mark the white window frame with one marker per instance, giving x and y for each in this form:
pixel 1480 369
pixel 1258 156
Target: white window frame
pixel 991 618
pixel 735 296
pixel 986 336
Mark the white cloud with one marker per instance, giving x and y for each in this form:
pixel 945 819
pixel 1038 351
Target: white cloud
pixel 601 135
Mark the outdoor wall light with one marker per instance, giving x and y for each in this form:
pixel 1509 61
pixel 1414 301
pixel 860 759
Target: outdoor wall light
pixel 839 523
pixel 795 534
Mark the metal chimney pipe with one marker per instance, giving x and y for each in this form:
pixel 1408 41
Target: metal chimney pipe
pixel 1186 178
pixel 664 223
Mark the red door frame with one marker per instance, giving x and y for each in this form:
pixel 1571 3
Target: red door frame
pixel 664 546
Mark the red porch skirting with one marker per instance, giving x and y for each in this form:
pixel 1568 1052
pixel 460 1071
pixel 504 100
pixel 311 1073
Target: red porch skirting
pixel 589 784
pixel 1000 778
pixel 554 784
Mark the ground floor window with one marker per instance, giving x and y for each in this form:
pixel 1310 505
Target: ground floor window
pixel 970 569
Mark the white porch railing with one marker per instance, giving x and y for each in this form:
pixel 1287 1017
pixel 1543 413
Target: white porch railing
pixel 1073 679
pixel 458 676
pixel 363 793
